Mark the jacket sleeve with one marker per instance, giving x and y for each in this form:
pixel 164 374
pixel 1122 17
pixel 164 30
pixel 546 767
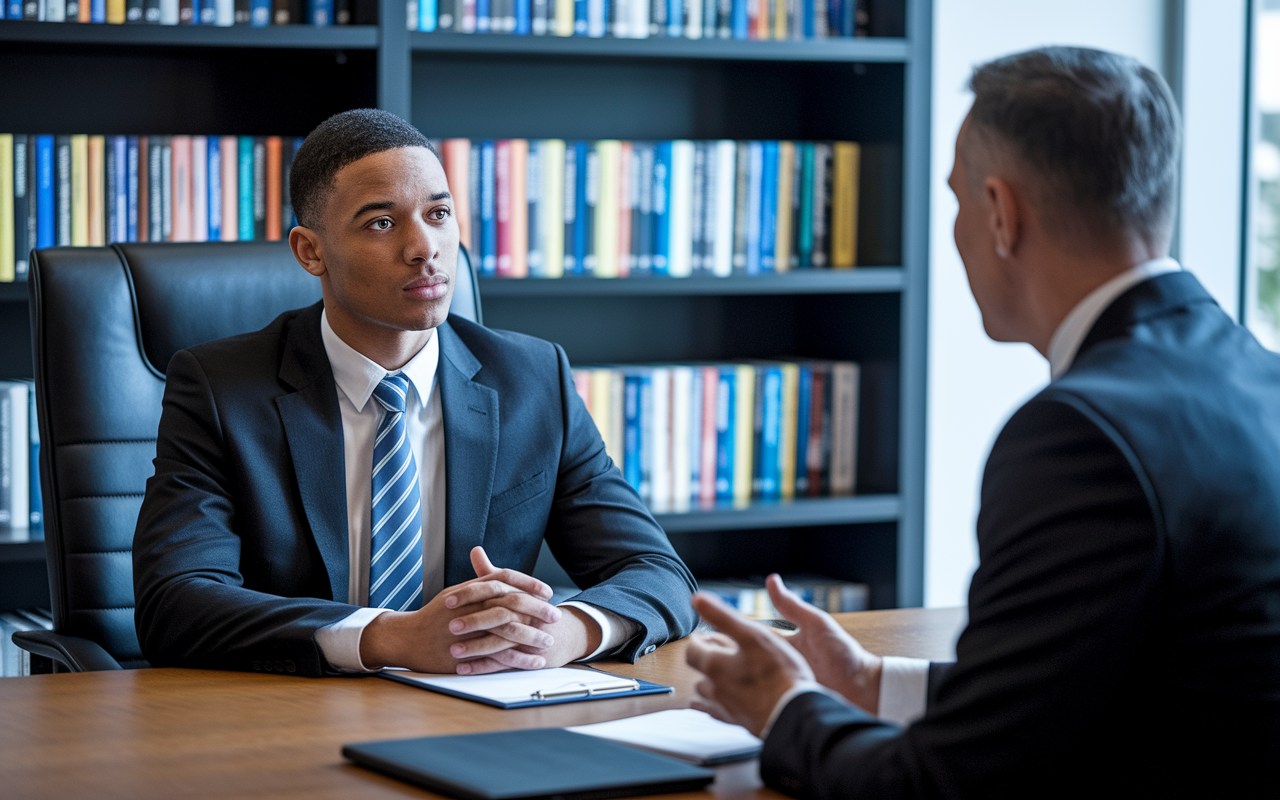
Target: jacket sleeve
pixel 606 539
pixel 1069 559
pixel 192 608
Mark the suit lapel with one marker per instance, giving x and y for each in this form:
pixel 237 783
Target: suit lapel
pixel 470 412
pixel 313 429
pixel 1147 299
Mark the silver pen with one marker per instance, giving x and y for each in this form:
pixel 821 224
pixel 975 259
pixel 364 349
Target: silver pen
pixel 587 690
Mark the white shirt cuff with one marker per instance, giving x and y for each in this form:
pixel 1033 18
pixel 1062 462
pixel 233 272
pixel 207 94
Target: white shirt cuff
pixel 615 630
pixel 904 690
pixel 804 687
pixel 340 642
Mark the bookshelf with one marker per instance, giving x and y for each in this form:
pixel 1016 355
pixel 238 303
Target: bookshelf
pixel 284 80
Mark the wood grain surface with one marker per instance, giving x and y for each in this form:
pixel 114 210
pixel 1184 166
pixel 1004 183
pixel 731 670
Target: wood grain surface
pixel 166 733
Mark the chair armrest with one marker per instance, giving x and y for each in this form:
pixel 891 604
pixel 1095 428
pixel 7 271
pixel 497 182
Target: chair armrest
pixel 73 652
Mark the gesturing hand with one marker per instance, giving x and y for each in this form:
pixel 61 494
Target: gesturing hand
pixel 838 661
pixel 747 668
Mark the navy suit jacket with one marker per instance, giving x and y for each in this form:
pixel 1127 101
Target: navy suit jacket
pixel 241 549
pixel 1124 620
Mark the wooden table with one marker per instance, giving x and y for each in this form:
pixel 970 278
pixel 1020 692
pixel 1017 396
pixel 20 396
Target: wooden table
pixel 196 733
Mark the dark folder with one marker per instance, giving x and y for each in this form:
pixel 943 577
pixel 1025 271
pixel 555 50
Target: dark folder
pixel 538 763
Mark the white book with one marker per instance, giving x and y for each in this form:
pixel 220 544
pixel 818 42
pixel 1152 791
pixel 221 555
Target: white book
pixel 199 188
pixel 726 157
pixel 551 210
pixel 168 12
pixel 693 19
pixel 639 19
pixel 680 261
pixel 621 13
pixel 694 440
pixel 55 11
pixel 224 13
pixel 657 440
pixel 15 455
pixel 683 733
pixel 682 459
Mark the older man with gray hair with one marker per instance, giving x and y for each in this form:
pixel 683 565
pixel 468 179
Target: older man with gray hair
pixel 1124 621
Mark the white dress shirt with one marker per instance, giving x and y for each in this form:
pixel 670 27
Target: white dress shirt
pixel 356 377
pixel 904 683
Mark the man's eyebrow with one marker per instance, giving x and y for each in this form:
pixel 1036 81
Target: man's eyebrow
pixel 383 205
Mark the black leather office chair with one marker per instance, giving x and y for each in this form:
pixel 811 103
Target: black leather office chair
pixel 106 321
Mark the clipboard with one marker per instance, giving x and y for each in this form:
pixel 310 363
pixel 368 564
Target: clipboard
pixel 530 688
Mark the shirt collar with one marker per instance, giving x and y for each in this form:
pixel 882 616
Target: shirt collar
pixel 1071 332
pixel 357 375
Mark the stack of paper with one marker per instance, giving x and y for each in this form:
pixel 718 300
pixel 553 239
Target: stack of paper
pixel 685 733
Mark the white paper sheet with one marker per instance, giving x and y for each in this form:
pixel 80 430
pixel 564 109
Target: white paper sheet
pixel 683 733
pixel 516 686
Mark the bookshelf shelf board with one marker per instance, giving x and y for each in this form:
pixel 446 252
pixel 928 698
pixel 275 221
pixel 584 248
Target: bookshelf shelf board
pixel 858 281
pixel 13 292
pixel 300 37
pixel 797 513
pixel 24 551
pixel 846 50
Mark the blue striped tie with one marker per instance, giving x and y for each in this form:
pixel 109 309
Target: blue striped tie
pixel 395 554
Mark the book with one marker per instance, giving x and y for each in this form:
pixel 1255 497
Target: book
pixel 783 215
pixel 63 190
pixel 146 150
pixel 679 217
pixel 214 186
pixel 166 193
pixel 768 206
pixel 35 504
pixel 820 224
pixel 259 188
pixel 181 189
pixel 844 427
pixel 488 229
pixel 503 213
pixel 274 169
pixel 552 206
pixel 455 157
pixel 46 192
pixel 8 271
pixel 245 187
pixel 229 147
pixel 200 188
pixel 603 173
pixel 15 454
pixel 661 216
pixel 109 214
pixel 844 205
pixel 24 203
pixel 532 205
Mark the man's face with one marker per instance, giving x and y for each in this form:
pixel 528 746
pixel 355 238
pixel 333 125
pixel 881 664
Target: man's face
pixel 988 273
pixel 390 241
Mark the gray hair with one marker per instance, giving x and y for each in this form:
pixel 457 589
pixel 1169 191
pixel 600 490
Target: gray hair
pixel 1101 130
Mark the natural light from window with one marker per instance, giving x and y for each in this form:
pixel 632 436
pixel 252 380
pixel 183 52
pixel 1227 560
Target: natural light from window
pixel 1263 284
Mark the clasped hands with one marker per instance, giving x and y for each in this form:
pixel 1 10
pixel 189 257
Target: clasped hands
pixel 501 619
pixel 747 668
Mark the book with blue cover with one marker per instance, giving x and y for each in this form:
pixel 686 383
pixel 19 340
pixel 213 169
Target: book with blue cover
pixel 725 428
pixel 488 210
pixel 661 208
pixel 214 156
pixel 633 430
pixel 572 247
pixel 768 206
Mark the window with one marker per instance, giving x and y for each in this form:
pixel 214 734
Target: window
pixel 1262 244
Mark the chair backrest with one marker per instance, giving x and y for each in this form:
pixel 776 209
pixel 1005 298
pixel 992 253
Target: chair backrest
pixel 106 321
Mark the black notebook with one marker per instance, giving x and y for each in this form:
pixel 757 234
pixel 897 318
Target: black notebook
pixel 538 763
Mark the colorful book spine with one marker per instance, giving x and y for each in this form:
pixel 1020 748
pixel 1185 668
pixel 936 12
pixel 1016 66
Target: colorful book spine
pixel 503 213
pixel 844 205
pixel 552 209
pixel 79 185
pixel 604 174
pixel 230 150
pixel 21 210
pixel 489 229
pixel 679 218
pixel 214 203
pixel 244 184
pixel 200 188
pixel 456 159
pixel 782 213
pixel 8 270
pixel 768 206
pixel 274 170
pixel 661 208
pixel 572 248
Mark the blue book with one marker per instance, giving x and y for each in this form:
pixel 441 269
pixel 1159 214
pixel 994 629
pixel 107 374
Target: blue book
pixel 46 235
pixel 695 439
pixel 579 17
pixel 215 188
pixel 675 18
pixel 488 216
pixel 482 15
pixel 120 203
pixel 259 13
pixel 588 197
pixel 426 15
pixel 581 229
pixel 847 18
pixel 724 433
pixel 807 22
pixel 631 431
pixel 14 9
pixel 803 224
pixel 769 455
pixel 206 12
pixel 804 402
pixel 524 24
pixel 131 190
pixel 661 208
pixel 244 186
pixel 740 20
pixel 768 206
pixel 97 11
pixel 755 191
pixel 646 440
pixel 572 264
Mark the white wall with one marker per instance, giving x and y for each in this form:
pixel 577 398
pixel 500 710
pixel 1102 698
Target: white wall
pixel 975 384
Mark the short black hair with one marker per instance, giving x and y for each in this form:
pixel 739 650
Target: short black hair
pixel 338 141
pixel 1101 130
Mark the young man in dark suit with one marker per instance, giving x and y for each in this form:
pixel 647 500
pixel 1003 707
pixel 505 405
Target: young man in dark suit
pixel 1124 620
pixel 329 491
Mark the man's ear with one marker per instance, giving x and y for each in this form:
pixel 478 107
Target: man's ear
pixel 306 248
pixel 1005 220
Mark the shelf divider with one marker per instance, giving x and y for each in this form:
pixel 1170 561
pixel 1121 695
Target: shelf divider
pixel 776 514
